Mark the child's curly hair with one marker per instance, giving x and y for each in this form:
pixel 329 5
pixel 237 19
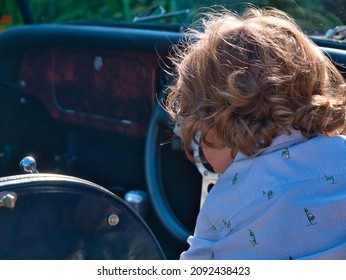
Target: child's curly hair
pixel 252 78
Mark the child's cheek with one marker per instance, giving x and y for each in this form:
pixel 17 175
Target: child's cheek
pixel 219 159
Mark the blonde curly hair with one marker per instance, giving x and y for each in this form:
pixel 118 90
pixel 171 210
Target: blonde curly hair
pixel 250 78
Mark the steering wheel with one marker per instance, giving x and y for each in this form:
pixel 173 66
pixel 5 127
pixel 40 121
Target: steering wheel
pixel 52 216
pixel 160 121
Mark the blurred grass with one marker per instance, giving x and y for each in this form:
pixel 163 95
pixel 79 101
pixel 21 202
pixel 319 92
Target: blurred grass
pixel 313 15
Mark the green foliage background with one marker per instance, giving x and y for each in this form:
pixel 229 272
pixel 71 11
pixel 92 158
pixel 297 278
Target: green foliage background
pixel 313 15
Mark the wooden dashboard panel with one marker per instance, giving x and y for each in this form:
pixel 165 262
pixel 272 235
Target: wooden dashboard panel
pixel 107 89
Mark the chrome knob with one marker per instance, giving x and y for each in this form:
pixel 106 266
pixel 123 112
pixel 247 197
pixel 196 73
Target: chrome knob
pixel 138 200
pixel 28 165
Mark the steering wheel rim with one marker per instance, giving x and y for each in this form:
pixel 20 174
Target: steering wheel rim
pixel 69 217
pixel 160 120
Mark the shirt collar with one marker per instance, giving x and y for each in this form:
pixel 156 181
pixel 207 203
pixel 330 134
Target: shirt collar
pixel 281 141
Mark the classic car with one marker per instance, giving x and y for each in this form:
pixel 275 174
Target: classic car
pixel 90 164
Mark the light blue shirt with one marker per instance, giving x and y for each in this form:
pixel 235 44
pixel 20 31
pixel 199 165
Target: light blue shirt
pixel 287 202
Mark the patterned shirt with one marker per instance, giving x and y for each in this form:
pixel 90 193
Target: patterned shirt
pixel 287 202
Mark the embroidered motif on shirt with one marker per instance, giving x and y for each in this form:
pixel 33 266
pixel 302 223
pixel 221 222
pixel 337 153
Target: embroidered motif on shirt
pixel 285 153
pixel 235 179
pixel 252 238
pixel 330 179
pixel 310 217
pixel 269 194
pixel 227 225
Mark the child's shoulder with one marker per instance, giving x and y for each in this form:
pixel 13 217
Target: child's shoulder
pixel 331 142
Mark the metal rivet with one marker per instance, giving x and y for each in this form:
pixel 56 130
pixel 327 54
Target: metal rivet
pixel 22 83
pixel 98 63
pixel 22 100
pixel 113 220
